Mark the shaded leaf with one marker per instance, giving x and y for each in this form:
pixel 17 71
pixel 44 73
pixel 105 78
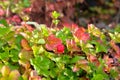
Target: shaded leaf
pixel 4 22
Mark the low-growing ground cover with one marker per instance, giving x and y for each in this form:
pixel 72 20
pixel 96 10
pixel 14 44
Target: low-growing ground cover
pixel 32 51
pixel 70 53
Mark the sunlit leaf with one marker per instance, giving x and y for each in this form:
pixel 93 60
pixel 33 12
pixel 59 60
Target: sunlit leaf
pixel 12 73
pixel 84 65
pixel 115 47
pixel 41 41
pixel 41 65
pixel 76 59
pixel 55 14
pixel 64 34
pixel 4 31
pixel 37 50
pixel 71 45
pixel 94 30
pixel 81 34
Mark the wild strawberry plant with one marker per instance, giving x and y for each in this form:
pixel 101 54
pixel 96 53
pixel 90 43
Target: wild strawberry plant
pixel 43 53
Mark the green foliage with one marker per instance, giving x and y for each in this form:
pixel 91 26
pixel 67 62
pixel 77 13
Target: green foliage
pixel 55 15
pixel 3 21
pixel 4 31
pixel 26 3
pixel 64 34
pixel 42 65
pixel 84 52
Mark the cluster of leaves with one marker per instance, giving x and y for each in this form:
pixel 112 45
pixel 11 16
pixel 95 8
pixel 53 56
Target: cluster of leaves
pixel 42 53
pixel 70 53
pixel 14 11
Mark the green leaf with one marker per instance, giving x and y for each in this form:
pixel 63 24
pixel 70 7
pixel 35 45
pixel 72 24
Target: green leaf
pixel 62 77
pixel 101 48
pixel 26 3
pixel 113 73
pixel 69 73
pixel 13 66
pixel 4 22
pixel 41 41
pixel 44 30
pixel 14 55
pixel 41 64
pixel 37 50
pixel 4 31
pixel 65 59
pixel 117 28
pixel 94 30
pixel 98 77
pixel 56 21
pixel 64 34
pixel 4 56
pixel 53 72
pixel 55 14
pixel 25 55
pixel 76 59
pixel 115 36
pixel 18 40
pixel 2 42
pixel 10 36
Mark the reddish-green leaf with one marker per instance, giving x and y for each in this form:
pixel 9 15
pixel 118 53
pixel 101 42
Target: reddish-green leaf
pixel 71 45
pixel 52 42
pixel 80 34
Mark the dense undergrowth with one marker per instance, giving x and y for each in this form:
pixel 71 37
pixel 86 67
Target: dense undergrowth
pixel 32 51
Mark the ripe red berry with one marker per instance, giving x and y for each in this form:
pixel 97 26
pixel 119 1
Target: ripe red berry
pixel 60 49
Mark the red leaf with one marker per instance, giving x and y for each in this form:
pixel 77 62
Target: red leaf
pixel 115 47
pixel 108 62
pixel 27 10
pixel 93 59
pixel 52 42
pixel 16 19
pixel 30 28
pixel 85 37
pixel 67 25
pixel 72 26
pixel 25 44
pixel 81 34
